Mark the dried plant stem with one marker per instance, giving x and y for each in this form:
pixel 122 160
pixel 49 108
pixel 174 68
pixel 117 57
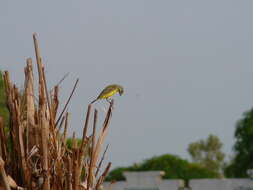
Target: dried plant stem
pixel 67 102
pixel 102 177
pixel 92 163
pixel 63 78
pixel 32 136
pixel 85 130
pixel 55 102
pixel 3 175
pixel 64 138
pixel 39 64
pixel 43 121
pixel 3 151
pixel 51 124
pixel 47 96
pixel 101 161
pixel 103 133
pixel 69 176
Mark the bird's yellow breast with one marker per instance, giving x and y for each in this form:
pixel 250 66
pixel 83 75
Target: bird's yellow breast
pixel 108 94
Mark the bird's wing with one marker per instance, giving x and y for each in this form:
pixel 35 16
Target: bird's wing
pixel 107 90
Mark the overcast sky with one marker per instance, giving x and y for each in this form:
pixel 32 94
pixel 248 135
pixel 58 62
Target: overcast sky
pixel 186 66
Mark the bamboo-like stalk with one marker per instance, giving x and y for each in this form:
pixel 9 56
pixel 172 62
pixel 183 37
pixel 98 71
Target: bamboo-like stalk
pixel 103 133
pixel 85 128
pixel 69 176
pixel 55 102
pixel 3 151
pixel 102 177
pixel 39 64
pixel 43 121
pixel 64 138
pixel 51 123
pixel 23 156
pixel 30 99
pixel 71 94
pixel 3 175
pixel 91 166
pixel 101 161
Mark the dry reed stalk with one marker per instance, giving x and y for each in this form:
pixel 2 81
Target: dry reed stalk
pixel 71 94
pixel 84 144
pixel 3 150
pixel 55 102
pixel 43 116
pixel 101 161
pixel 23 156
pixel 50 120
pixel 3 175
pixel 103 133
pixel 63 78
pixel 12 134
pixel 102 177
pixel 84 138
pixel 30 100
pixel 92 160
pixel 69 174
pixel 85 127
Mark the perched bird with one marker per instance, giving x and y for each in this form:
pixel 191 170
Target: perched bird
pixel 109 91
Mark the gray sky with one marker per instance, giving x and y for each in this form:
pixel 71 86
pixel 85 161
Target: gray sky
pixel 186 65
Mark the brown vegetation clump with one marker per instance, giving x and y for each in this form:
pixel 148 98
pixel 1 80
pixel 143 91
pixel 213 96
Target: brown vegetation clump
pixel 33 151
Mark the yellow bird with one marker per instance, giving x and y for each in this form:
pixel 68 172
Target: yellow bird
pixel 109 91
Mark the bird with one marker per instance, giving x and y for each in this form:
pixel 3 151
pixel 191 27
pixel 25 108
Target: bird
pixel 109 91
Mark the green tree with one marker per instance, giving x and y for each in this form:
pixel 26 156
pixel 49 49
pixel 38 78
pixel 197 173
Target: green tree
pixel 117 174
pixel 69 142
pixel 208 153
pixel 243 147
pixel 173 166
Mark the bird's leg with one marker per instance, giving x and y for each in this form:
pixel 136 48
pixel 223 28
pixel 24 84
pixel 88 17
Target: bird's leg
pixel 111 103
pixel 109 100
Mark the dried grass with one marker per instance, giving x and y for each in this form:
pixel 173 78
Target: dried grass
pixel 39 157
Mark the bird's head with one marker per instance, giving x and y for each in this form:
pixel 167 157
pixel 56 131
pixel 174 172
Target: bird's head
pixel 121 90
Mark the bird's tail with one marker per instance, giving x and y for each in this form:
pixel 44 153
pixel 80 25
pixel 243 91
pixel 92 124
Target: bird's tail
pixel 93 101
